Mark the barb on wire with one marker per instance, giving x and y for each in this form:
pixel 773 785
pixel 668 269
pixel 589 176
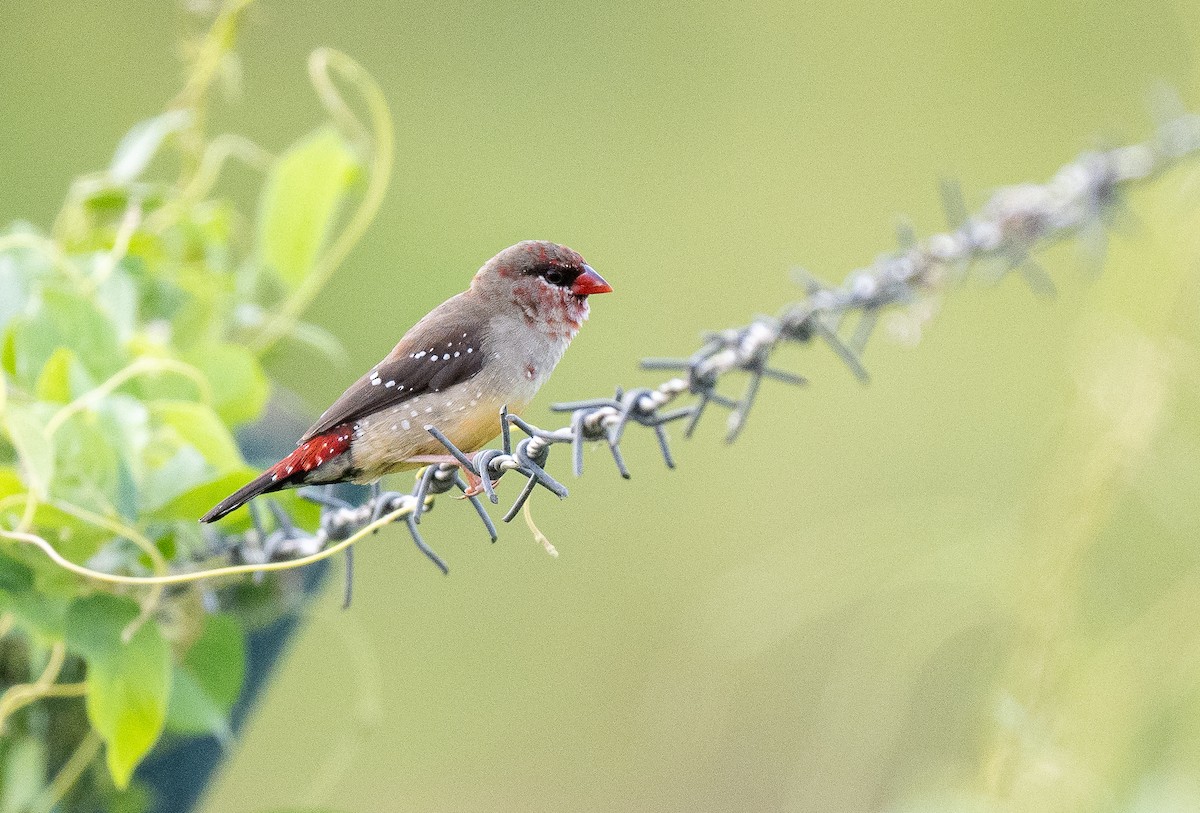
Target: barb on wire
pixel 1004 236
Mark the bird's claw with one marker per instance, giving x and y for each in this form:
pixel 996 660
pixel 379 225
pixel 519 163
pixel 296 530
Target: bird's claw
pixel 475 485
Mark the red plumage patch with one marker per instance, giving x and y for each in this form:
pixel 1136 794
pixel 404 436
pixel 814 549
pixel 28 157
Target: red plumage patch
pixel 314 452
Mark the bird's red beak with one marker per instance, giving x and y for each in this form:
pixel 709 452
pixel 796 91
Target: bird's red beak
pixel 589 282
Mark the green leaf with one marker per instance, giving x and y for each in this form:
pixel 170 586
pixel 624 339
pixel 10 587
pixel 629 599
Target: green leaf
pixel 13 281
pixel 40 615
pixel 63 319
pixel 10 483
pixel 87 460
pixel 117 297
pixel 184 469
pixel 34 448
pixel 72 537
pixel 193 711
pixel 54 383
pixel 239 385
pixel 315 337
pixel 209 680
pixel 8 353
pixel 126 421
pixel 197 425
pixel 136 798
pixel 218 659
pixel 15 577
pixel 300 201
pixel 24 774
pixel 128 684
pixel 32 607
pixel 139 145
pixel 193 503
pixel 190 446
pixel 125 492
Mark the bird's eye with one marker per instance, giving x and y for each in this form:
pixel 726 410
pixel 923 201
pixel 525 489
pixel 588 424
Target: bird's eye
pixel 555 277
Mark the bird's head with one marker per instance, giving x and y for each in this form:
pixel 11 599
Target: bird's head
pixel 546 284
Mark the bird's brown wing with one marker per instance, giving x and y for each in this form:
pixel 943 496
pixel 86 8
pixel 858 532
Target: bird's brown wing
pixel 432 357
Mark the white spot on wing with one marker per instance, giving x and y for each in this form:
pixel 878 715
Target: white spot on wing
pixel 405 423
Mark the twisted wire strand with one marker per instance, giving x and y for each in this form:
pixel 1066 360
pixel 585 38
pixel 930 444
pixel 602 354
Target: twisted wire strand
pixel 1014 223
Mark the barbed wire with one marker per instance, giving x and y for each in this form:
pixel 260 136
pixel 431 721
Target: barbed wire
pixel 1010 228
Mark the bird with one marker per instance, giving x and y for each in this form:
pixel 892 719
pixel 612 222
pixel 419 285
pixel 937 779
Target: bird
pixel 490 347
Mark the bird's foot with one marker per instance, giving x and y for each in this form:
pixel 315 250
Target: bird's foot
pixel 474 485
pixel 474 481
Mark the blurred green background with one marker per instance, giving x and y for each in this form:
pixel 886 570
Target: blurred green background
pixel 970 585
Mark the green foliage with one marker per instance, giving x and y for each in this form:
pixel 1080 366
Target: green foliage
pixel 37 612
pixel 34 448
pixel 301 200
pixel 126 365
pixel 207 682
pixel 239 387
pixel 140 144
pixel 24 762
pixel 127 683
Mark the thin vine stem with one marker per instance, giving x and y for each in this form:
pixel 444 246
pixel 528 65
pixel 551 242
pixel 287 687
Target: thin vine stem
pixel 22 694
pixel 47 247
pixel 205 66
pixel 109 261
pixel 211 573
pixel 140 367
pixel 69 774
pixel 158 562
pixel 219 152
pixel 376 141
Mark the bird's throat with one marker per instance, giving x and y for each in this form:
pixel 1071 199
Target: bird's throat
pixel 555 312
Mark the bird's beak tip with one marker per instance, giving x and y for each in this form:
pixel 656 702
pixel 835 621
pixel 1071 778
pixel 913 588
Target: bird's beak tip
pixel 589 282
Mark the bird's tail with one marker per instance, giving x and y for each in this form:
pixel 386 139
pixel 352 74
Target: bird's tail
pixel 321 459
pixel 264 483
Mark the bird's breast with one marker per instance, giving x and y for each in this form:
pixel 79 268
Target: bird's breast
pixel 517 362
pixel 520 359
pixel 468 414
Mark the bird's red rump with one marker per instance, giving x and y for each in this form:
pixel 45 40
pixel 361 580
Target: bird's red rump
pixel 314 452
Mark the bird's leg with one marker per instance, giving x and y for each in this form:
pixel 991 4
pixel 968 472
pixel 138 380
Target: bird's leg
pixel 474 481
